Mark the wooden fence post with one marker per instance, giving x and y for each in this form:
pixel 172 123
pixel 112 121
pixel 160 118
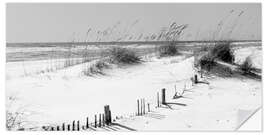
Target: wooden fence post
pixel 78 125
pixel 103 119
pixel 52 128
pixel 87 122
pixel 68 127
pixel 148 107
pixel 157 99
pixel 138 103
pixel 99 120
pixel 108 115
pixel 141 107
pixel 163 96
pixel 195 79
pixel 95 121
pixel 63 126
pixel 73 125
pixel 58 128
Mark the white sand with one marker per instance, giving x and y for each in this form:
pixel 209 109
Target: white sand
pixel 67 95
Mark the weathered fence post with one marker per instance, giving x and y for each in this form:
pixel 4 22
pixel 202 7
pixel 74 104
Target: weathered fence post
pixel 52 128
pixel 103 119
pixel 87 122
pixel 195 79
pixel 141 107
pixel 138 103
pixel 73 125
pixel 63 126
pixel 163 96
pixel 99 120
pixel 68 127
pixel 157 99
pixel 95 121
pixel 58 128
pixel 108 115
pixel 78 125
pixel 148 107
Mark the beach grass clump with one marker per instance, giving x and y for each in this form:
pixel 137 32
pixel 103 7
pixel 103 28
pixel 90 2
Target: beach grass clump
pixel 112 56
pixel 207 62
pixel 223 51
pixel 220 51
pixel 96 69
pixel 17 118
pixel 170 34
pixel 120 55
pixel 246 67
pixel 168 50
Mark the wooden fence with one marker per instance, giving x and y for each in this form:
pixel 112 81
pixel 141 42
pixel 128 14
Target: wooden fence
pixel 100 120
pixel 105 119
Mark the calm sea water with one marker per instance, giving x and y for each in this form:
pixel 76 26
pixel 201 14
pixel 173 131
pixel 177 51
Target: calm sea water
pixel 29 52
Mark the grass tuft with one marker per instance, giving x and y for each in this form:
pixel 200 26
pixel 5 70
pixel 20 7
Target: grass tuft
pixel 96 68
pixel 223 51
pixel 246 66
pixel 168 50
pixel 207 62
pixel 121 55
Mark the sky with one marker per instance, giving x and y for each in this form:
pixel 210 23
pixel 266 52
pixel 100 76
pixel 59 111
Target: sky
pixel 65 22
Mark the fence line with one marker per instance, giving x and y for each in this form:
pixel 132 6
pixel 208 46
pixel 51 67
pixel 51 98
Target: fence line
pixel 105 119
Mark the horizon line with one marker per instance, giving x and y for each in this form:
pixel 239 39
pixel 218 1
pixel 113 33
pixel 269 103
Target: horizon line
pixel 131 42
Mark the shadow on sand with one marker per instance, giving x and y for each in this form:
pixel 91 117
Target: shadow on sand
pixel 122 126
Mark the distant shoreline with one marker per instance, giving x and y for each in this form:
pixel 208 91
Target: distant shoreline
pixel 52 44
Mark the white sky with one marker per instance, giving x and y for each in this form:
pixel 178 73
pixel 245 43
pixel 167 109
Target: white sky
pixel 64 22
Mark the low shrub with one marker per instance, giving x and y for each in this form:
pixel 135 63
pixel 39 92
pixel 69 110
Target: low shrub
pixel 207 62
pixel 223 51
pixel 123 55
pixel 220 51
pixel 96 68
pixel 168 50
pixel 100 65
pixel 17 118
pixel 246 66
